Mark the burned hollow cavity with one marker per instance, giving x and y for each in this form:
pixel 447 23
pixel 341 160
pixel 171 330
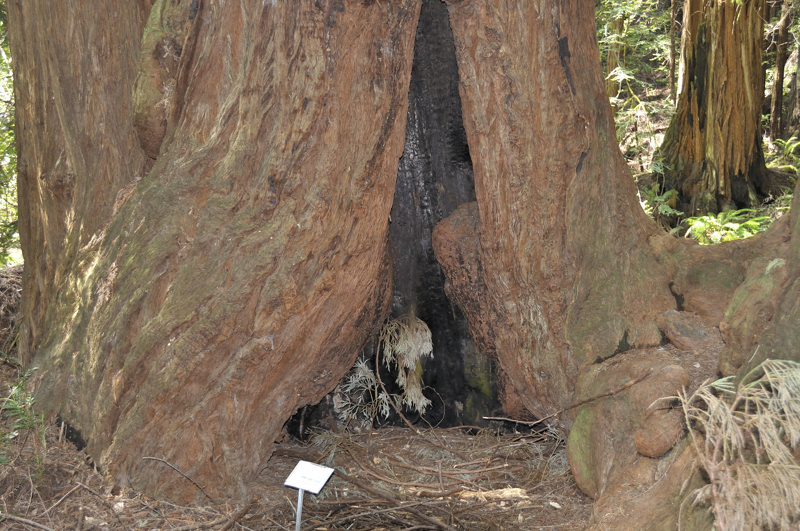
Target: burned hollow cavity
pixel 434 177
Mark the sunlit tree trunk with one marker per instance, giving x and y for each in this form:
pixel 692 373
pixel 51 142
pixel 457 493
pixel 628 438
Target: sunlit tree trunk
pixel 712 150
pixel 672 53
pixel 615 59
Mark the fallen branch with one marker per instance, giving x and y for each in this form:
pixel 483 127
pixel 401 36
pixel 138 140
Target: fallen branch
pixel 25 521
pixel 64 497
pixel 238 515
pixel 439 494
pixel 173 467
pixel 578 404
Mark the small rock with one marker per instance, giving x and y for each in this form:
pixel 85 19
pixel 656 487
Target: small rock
pixel 687 331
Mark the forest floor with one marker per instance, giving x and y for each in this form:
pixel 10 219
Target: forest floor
pixel 389 478
pixel 384 479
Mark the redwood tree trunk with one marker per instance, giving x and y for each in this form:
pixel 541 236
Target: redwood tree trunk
pixel 712 149
pixel 561 283
pixel 205 201
pixel 781 55
pixel 205 197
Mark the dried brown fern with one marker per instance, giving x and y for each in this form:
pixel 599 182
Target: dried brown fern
pixel 747 436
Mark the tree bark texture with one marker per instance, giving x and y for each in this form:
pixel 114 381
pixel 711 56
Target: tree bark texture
pixel 206 190
pixel 712 150
pixel 561 284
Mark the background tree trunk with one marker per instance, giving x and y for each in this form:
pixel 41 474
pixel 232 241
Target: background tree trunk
pixel 615 59
pixel 781 55
pixel 184 306
pixel 712 149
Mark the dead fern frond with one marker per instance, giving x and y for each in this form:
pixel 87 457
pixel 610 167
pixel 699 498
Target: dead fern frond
pixel 406 340
pixel 746 436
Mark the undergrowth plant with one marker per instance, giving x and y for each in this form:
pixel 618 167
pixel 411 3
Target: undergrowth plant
pixel 660 207
pixel 726 226
pixel 747 436
pixel 787 157
pixel 359 397
pixel 21 422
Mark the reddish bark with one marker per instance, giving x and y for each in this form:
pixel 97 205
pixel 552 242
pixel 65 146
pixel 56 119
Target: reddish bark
pixel 565 285
pixel 712 150
pixel 194 275
pixel 184 308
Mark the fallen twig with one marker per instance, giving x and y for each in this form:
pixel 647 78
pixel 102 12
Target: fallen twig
pixel 239 514
pixel 228 521
pixel 173 467
pixel 578 404
pixel 388 497
pixel 439 494
pixel 64 497
pixel 25 521
pixel 372 512
pixel 381 477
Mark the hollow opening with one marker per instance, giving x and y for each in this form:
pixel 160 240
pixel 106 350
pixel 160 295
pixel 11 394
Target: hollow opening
pixel 435 177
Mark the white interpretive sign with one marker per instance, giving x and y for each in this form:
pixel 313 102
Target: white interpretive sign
pixel 309 476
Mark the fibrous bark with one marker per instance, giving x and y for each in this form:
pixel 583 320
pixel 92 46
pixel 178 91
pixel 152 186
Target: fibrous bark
pixel 712 150
pixel 563 285
pixel 194 277
pixel 184 307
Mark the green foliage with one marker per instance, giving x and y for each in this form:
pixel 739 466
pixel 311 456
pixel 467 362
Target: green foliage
pixel 788 156
pixel 726 226
pixel 20 421
pixel 9 236
pixel 658 206
pixel 746 435
pixel 643 43
pixel 645 33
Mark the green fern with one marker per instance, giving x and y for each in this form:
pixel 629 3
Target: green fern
pixel 726 226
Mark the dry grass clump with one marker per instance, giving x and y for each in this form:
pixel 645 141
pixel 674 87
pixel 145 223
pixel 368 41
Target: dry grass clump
pixel 747 437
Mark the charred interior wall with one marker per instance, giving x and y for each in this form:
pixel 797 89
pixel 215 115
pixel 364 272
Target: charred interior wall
pixel 433 179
